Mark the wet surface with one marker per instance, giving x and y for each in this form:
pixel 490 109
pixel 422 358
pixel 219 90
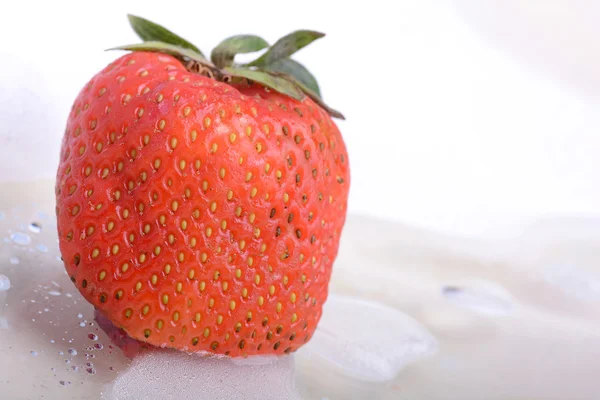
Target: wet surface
pixel 412 315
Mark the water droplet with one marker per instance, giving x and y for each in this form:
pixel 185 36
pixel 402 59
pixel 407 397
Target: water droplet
pixel 89 364
pixel 20 238
pixel 98 346
pixel 68 361
pixel 80 315
pixel 90 371
pixel 75 368
pixel 64 383
pixel 54 293
pixel 33 353
pixel 42 248
pixel 69 295
pixel 60 353
pixel 14 260
pixel 93 336
pixel 4 283
pixel 52 341
pixel 82 324
pixel 111 368
pixel 72 352
pixel 2 216
pixel 35 227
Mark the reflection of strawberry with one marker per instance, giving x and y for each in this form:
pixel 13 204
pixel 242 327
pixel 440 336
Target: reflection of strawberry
pixel 118 337
pixel 200 205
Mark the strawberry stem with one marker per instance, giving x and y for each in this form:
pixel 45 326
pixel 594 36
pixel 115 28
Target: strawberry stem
pixel 222 55
pixel 274 69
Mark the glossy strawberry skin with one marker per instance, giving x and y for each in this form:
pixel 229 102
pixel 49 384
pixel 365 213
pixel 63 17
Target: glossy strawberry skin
pixel 198 215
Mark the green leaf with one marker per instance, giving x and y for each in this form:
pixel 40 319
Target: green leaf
pixel 286 46
pixel 297 70
pixel 317 99
pixel 278 83
pixel 310 93
pixel 175 51
pixel 148 31
pixel 225 52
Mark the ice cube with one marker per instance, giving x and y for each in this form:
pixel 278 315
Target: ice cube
pixel 367 341
pixel 479 295
pixel 166 374
pixel 574 281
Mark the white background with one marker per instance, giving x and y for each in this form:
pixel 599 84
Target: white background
pixel 461 115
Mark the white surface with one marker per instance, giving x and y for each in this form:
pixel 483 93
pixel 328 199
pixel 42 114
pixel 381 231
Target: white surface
pixel 472 114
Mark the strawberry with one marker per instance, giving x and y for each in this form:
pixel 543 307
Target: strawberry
pixel 200 204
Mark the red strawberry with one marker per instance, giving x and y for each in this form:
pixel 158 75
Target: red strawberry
pixel 199 210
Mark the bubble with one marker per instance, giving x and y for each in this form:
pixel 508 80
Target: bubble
pixel 90 371
pixel 20 238
pixel 98 346
pixel 80 315
pixel 72 352
pixel 33 353
pixel 93 336
pixel 82 324
pixel 35 227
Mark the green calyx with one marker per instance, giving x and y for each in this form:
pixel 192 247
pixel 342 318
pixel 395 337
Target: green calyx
pixel 273 69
